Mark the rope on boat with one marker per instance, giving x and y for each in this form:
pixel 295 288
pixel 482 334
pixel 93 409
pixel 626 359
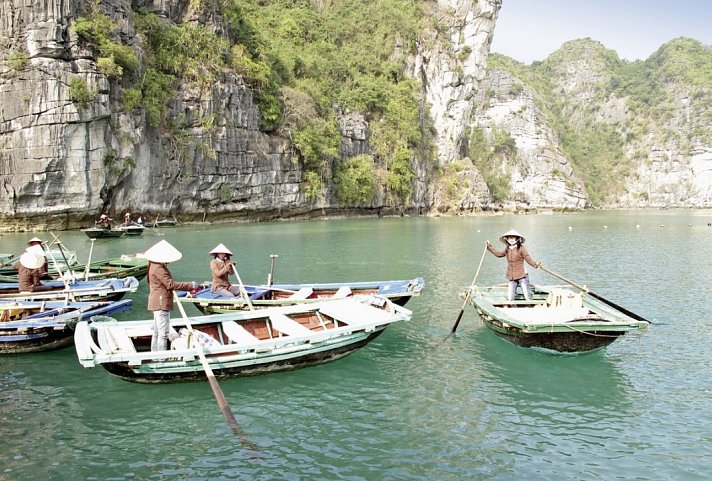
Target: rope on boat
pixel 586 332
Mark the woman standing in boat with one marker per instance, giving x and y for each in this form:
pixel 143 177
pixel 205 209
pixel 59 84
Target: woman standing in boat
pixel 161 286
pixel 516 254
pixel 221 268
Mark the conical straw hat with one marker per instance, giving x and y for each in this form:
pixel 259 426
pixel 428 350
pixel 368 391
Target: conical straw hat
pixel 36 250
pixel 221 249
pixel 511 232
pixel 31 261
pixel 163 252
pixel 34 239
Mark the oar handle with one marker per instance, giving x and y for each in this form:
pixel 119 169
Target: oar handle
pixel 568 281
pixel 242 288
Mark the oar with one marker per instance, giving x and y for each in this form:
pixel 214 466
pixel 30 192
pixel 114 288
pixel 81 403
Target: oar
pixel 270 277
pixel 599 297
pixel 66 262
pixel 467 296
pixel 86 268
pixel 242 288
pixel 219 396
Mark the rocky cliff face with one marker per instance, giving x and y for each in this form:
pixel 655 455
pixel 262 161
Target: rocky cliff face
pixel 62 163
pixel 450 65
pixel 540 174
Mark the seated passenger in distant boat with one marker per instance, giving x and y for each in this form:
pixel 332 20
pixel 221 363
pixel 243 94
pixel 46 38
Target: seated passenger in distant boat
pixel 104 222
pixel 221 267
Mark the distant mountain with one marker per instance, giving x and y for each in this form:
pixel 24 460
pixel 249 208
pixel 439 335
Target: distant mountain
pixel 586 127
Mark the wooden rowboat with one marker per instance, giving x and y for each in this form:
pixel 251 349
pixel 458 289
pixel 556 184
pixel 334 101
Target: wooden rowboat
pixel 98 290
pixel 556 319
pixel 239 343
pixel 261 296
pixel 44 326
pixel 97 233
pixel 117 267
pixel 132 230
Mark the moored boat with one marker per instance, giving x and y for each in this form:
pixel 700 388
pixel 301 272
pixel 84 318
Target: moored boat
pixel 132 230
pixel 398 291
pixel 239 343
pixel 93 290
pixel 117 267
pixel 44 326
pixel 98 233
pixel 556 318
pixel 164 223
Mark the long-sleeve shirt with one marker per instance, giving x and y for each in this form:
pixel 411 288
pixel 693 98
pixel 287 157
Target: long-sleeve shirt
pixel 515 260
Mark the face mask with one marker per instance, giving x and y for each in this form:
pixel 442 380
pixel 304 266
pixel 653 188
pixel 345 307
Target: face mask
pixel 512 241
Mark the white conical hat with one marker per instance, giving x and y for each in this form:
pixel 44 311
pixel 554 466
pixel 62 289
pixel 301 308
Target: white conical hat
pixel 220 249
pixel 511 232
pixel 31 261
pixel 163 252
pixel 34 239
pixel 36 250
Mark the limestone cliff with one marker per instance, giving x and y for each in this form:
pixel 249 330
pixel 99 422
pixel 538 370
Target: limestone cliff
pixel 66 156
pixel 635 134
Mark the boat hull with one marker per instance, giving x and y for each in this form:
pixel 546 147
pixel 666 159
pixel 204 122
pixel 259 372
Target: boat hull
pixel 566 342
pixel 103 233
pixel 193 370
pixel 85 291
pixel 47 339
pixel 556 319
pixel 399 292
pixel 36 333
pixel 239 343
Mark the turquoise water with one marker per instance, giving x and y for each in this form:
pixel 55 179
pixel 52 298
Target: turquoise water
pixel 407 406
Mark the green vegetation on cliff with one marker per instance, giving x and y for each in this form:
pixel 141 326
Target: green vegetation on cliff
pixel 301 59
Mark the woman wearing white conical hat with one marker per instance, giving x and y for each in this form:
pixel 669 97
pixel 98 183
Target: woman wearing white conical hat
pixel 29 272
pixel 516 254
pixel 221 268
pixel 161 286
pixel 35 246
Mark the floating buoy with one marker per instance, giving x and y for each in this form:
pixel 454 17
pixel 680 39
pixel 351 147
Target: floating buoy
pixel 637 226
pixel 605 227
pixel 571 228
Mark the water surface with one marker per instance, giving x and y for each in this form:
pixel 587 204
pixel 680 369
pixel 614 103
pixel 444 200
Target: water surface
pixel 407 406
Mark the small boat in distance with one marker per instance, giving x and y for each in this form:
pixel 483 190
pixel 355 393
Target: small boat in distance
pixel 131 230
pixel 45 326
pixel 164 223
pixel 99 233
pixel 241 343
pixel 556 319
pixel 398 291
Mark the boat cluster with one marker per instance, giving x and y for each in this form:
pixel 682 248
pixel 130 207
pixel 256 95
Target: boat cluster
pixel 263 329
pixel 267 327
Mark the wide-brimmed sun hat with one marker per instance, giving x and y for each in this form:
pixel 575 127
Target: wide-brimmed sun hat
pixel 220 249
pixel 34 239
pixel 36 250
pixel 511 233
pixel 32 261
pixel 162 252
pixel 102 216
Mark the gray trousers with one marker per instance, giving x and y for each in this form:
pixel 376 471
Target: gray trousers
pixel 524 283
